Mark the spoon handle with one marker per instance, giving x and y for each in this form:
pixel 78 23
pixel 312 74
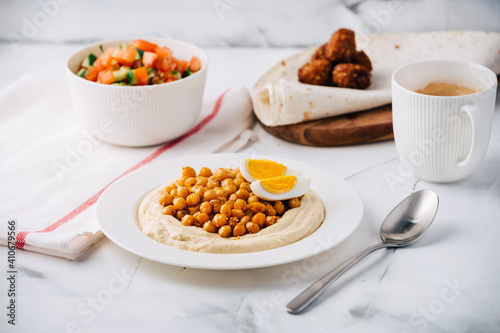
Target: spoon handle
pixel 299 303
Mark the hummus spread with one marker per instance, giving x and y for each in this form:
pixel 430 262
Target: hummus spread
pixel 296 223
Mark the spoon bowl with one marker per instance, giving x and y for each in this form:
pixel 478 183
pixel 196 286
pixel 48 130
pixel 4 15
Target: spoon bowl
pixel 404 225
pixel 409 219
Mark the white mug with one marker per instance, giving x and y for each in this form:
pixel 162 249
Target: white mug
pixel 442 138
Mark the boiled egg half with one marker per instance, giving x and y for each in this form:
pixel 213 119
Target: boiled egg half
pixel 254 169
pixel 281 187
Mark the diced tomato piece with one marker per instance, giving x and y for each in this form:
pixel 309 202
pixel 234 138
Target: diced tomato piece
pixel 173 64
pixel 182 66
pixel 163 63
pixel 92 73
pixel 142 76
pixel 145 46
pixel 163 51
pixel 126 55
pixel 106 77
pixel 110 50
pixel 98 64
pixel 195 64
pixel 105 59
pixel 149 58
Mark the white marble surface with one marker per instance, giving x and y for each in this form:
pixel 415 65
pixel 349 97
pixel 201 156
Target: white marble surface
pixel 236 22
pixel 446 282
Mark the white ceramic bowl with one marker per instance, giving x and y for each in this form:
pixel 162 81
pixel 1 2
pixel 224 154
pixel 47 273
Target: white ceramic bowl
pixel 138 116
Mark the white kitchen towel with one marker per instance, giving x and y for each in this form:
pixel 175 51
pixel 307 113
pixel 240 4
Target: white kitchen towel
pixel 52 171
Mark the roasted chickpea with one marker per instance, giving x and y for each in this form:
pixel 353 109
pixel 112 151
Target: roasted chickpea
pixel 170 187
pixel 225 231
pixel 190 182
pixel 200 190
pixel 202 181
pixel 194 209
pixel 252 227
pixel 220 192
pixel 165 199
pixel 238 181
pixel 216 205
pixel 269 211
pixel 238 213
pixel 209 195
pixel 231 173
pixel 212 184
pixel 188 172
pixel 230 189
pixel 242 194
pixel 180 181
pixel 206 207
pixel 233 197
pixel 253 198
pixel 294 203
pixel 220 174
pixel 205 172
pixel 245 219
pixel 209 227
pixel 240 204
pixel 187 220
pixel 193 199
pixel 279 207
pixel 227 181
pixel 248 213
pixel 220 220
pixel 226 209
pixel 202 217
pixel 232 221
pixel 246 186
pixel 257 207
pixel 239 175
pixel 173 192
pixel 239 230
pixel 179 203
pixel 182 192
pixel 259 218
pixel 270 220
pixel 169 210
pixel 180 214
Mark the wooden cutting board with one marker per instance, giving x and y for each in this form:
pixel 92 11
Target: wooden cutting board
pixel 355 128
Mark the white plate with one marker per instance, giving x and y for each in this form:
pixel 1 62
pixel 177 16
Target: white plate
pixel 117 210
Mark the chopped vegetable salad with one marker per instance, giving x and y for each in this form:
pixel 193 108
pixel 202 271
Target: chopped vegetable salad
pixel 139 63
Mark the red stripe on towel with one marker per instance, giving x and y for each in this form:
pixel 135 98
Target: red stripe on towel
pixel 21 236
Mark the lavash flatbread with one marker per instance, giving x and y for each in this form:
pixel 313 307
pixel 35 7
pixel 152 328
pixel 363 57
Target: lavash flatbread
pixel 280 99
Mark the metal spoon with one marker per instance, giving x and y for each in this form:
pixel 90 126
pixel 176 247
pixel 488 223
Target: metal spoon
pixel 404 225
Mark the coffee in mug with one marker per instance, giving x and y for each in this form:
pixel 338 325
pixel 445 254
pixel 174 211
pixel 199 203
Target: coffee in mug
pixel 446 89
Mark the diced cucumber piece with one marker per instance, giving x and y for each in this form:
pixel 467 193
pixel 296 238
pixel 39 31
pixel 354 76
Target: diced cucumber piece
pixel 89 60
pixel 140 53
pixel 121 74
pixel 82 72
pixel 187 72
pixel 177 75
pixel 132 77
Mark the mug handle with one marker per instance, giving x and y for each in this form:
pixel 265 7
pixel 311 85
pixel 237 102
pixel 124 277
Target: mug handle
pixel 479 123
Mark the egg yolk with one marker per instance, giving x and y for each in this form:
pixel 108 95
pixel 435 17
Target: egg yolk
pixel 261 169
pixel 279 184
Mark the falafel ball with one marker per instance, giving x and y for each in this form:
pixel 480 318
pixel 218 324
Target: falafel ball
pixel 362 59
pixel 351 76
pixel 341 46
pixel 318 72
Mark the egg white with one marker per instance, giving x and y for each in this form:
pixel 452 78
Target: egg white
pixel 248 177
pixel 302 186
